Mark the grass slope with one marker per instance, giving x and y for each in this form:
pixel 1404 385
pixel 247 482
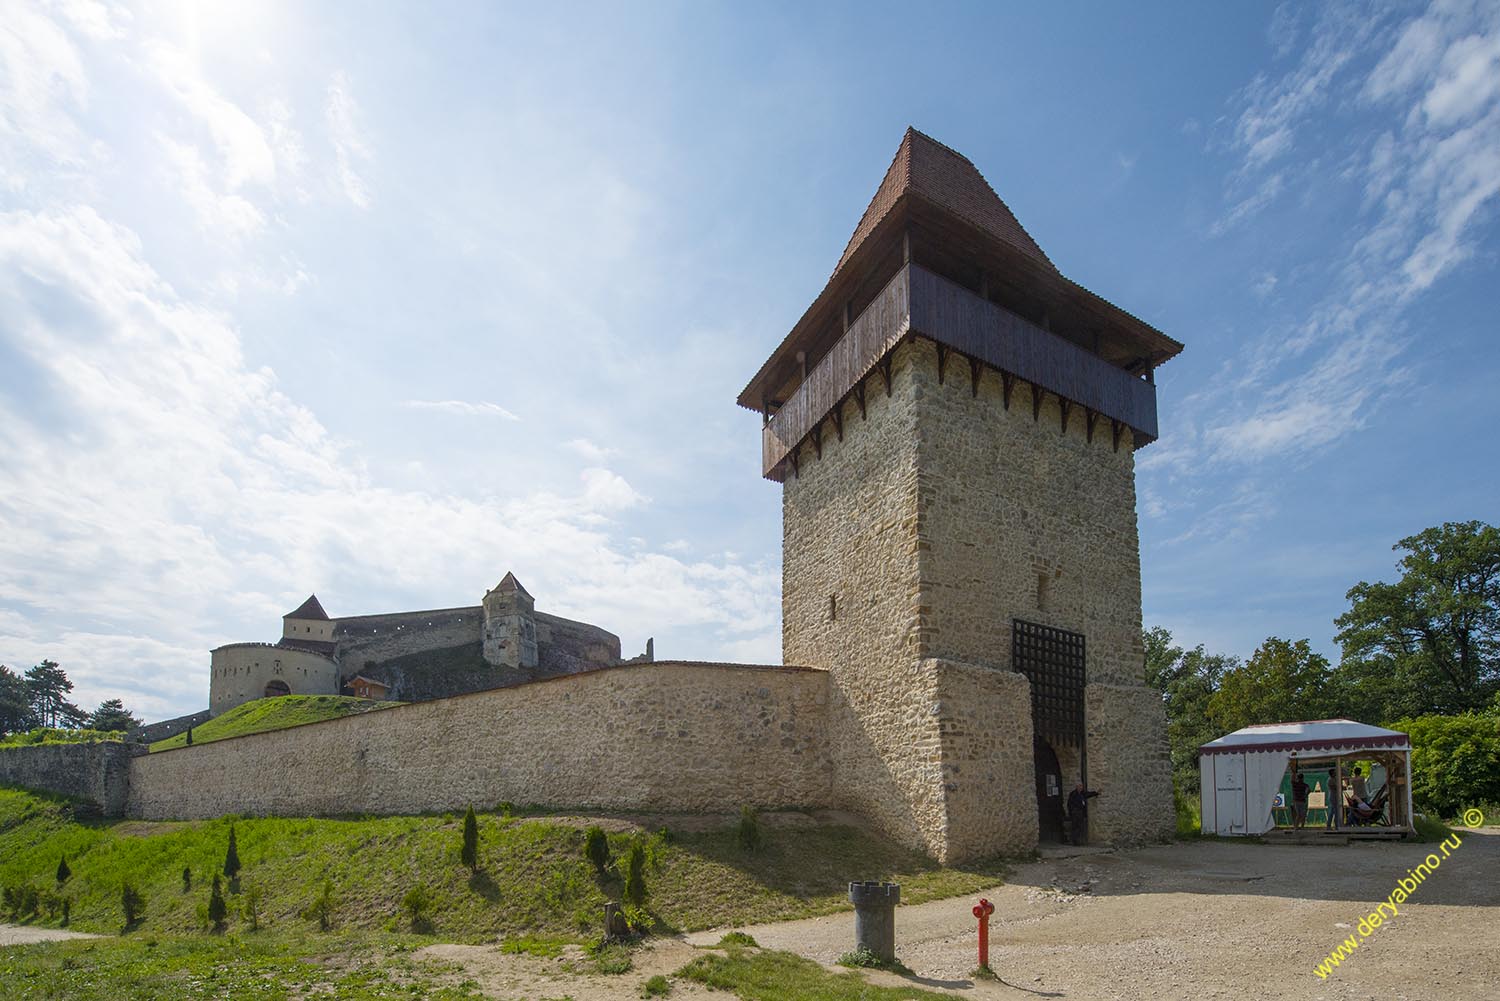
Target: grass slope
pixel 533 877
pixel 273 714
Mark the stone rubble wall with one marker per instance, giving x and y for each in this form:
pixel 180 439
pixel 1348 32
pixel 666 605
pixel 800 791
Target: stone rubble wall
pixel 383 637
pixel 848 534
pixel 1126 730
pixel 667 736
pixel 240 672
pixel 97 773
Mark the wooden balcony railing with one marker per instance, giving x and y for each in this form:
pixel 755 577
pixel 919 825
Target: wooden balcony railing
pixel 918 302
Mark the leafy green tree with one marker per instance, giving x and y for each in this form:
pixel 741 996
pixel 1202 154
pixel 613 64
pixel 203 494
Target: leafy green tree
pixel 1187 681
pixel 1455 761
pixel 47 688
pixel 232 857
pixel 112 715
pixel 470 851
pixel 16 715
pixel 1430 642
pixel 250 905
pixel 1282 681
pixel 217 909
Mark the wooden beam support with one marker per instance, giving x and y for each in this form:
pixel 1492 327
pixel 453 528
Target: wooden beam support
pixel 1063 406
pixel 859 397
pixel 976 370
pixel 1117 427
pixel 1037 395
pixel 885 373
pixel 1007 383
pixel 796 457
pixel 1091 417
pixel 817 438
pixel 942 352
pixel 838 420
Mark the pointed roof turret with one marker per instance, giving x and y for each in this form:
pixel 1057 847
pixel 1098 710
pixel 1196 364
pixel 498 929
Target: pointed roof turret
pixel 309 609
pixel 509 583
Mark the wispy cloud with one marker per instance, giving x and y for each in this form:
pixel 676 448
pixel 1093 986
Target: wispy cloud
pixel 463 408
pixel 589 450
pixel 348 143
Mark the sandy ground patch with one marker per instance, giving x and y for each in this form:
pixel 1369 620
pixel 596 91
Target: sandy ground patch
pixel 1204 920
pixel 503 975
pixel 24 935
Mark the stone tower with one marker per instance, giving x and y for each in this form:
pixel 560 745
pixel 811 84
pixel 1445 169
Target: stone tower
pixel 510 625
pixel 954 424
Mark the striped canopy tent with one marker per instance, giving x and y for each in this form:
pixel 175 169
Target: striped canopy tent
pixel 1242 771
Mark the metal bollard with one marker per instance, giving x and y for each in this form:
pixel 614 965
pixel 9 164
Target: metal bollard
pixel 875 917
pixel 982 911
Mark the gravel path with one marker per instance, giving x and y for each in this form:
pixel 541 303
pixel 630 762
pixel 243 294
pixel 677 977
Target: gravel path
pixel 1204 920
pixel 26 935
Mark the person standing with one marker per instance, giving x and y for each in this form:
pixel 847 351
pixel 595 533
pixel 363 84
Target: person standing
pixel 1078 813
pixel 1299 798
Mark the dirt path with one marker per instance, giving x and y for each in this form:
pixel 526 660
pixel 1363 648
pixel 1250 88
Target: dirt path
pixel 24 935
pixel 1205 920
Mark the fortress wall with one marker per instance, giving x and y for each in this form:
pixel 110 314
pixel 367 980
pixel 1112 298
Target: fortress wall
pixel 1129 762
pixel 663 736
pixel 240 672
pixel 849 531
pixel 381 637
pixel 152 732
pixel 98 773
pixel 575 642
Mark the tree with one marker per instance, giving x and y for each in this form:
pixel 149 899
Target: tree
pixel 47 688
pixel 470 852
pixel 232 857
pixel 1282 681
pixel 1429 643
pixel 1455 761
pixel 635 875
pixel 63 872
pixel 322 906
pixel 217 911
pixel 187 878
pixel 190 736
pixel 16 715
pixel 132 903
pixel 596 848
pixel 1187 681
pixel 112 715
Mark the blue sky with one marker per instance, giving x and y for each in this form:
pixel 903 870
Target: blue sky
pixel 382 303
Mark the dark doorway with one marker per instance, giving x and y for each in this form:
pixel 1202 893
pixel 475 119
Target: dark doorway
pixel 1049 792
pixel 276 688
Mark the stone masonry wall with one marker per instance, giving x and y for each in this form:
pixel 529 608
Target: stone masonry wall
pixel 381 637
pixel 640 737
pixel 1126 732
pixel 240 672
pixel 849 604
pixel 98 773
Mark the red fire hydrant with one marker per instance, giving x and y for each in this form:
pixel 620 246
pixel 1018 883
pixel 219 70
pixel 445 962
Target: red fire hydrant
pixel 982 911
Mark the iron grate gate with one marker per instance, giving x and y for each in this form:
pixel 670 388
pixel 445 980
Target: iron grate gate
pixel 1053 661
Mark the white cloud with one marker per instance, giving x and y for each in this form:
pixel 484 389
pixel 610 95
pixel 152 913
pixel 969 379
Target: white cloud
pixel 229 216
pixel 245 152
pixel 589 450
pixel 349 146
pixel 463 408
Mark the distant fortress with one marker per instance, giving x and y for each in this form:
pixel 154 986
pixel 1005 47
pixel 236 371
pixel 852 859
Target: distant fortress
pixel 411 656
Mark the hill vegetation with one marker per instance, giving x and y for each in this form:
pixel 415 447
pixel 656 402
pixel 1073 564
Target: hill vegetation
pixel 273 714
pixel 533 876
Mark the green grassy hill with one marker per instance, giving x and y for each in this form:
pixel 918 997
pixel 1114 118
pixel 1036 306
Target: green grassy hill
pixel 273 714
pixel 533 878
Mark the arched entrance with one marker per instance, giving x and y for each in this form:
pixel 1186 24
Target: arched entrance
pixel 1049 792
pixel 277 687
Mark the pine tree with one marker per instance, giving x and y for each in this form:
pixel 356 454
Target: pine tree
pixel 187 878
pixel 63 872
pixel 190 736
pixel 470 853
pixel 232 857
pixel 216 909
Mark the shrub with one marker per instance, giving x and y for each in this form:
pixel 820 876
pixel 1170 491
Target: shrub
pixel 63 872
pixel 232 857
pixel 749 833
pixel 635 875
pixel 738 938
pixel 470 852
pixel 1455 761
pixel 611 960
pixel 596 848
pixel 250 907
pixel 666 834
pixel 415 904
pixel 321 908
pixel 217 911
pixel 133 903
pixel 656 987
